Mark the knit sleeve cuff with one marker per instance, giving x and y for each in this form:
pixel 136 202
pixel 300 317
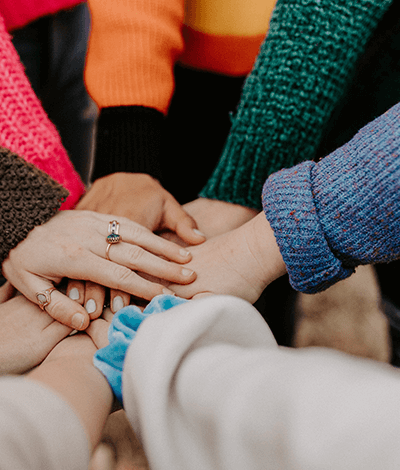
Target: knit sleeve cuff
pixel 289 207
pixel 28 197
pixel 128 140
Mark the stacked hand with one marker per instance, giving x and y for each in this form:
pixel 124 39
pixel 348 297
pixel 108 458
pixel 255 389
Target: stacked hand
pixel 73 244
pixel 241 262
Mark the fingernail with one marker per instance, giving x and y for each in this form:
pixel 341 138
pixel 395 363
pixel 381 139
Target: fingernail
pixel 184 253
pixel 90 306
pixel 77 321
pixel 118 303
pixel 186 272
pixel 168 292
pixel 74 294
pixel 197 232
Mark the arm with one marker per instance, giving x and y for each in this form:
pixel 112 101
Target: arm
pixel 25 127
pixel 206 386
pixel 54 416
pixel 300 75
pixel 326 218
pixel 343 211
pixel 129 73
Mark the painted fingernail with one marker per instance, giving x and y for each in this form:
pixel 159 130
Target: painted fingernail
pixel 77 321
pixel 186 272
pixel 197 232
pixel 118 303
pixel 90 306
pixel 184 253
pixel 74 294
pixel 168 292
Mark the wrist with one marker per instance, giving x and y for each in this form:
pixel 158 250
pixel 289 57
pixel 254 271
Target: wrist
pixel 265 249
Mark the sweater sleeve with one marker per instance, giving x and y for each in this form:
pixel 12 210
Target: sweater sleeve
pixel 206 386
pixel 328 217
pixel 28 197
pixel 26 129
pixel 129 73
pixel 38 429
pixel 302 70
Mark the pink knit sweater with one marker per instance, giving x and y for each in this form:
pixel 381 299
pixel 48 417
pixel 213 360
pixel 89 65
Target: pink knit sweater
pixel 24 126
pixel 18 13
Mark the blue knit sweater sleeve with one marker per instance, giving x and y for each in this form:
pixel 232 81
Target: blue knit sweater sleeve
pixel 331 216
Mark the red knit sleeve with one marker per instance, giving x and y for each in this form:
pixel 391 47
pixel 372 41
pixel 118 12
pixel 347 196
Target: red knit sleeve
pixel 25 128
pixel 133 47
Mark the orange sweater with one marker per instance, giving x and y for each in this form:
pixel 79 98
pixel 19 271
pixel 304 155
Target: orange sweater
pixel 135 44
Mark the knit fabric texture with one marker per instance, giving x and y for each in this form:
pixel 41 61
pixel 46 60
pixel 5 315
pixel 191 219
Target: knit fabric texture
pixel 302 71
pixel 25 128
pixel 331 216
pixel 28 197
pixel 18 13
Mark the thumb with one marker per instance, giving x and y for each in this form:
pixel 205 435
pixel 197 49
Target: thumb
pixel 179 221
pixel 57 305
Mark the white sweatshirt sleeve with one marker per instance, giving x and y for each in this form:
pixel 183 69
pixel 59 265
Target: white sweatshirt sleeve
pixel 206 386
pixel 39 430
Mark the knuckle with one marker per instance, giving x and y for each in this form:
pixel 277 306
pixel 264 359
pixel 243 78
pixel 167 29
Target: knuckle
pixel 123 276
pixel 56 309
pixel 136 231
pixel 135 255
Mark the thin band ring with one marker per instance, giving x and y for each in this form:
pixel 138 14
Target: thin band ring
pixel 44 297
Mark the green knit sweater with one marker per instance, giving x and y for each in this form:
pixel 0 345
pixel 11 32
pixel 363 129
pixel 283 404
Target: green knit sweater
pixel 303 69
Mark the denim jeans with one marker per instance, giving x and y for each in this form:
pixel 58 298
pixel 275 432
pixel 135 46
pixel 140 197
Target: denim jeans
pixel 53 51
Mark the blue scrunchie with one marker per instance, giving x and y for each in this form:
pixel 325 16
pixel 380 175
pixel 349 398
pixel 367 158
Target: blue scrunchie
pixel 110 360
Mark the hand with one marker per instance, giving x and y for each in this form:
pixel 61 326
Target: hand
pixel 73 244
pixel 241 263
pixel 119 446
pixel 214 217
pixel 142 199
pixel 69 372
pixel 27 335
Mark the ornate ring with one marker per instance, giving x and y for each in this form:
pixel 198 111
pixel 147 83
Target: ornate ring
pixel 44 297
pixel 113 237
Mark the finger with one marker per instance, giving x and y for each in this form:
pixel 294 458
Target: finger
pixel 138 259
pixel 118 300
pixel 107 314
pixel 76 290
pixel 98 332
pixel 6 292
pixel 116 276
pixel 53 334
pixel 61 308
pixel 94 299
pixel 103 458
pixel 133 233
pixel 180 222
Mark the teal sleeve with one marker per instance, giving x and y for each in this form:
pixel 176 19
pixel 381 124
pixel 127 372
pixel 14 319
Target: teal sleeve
pixel 304 66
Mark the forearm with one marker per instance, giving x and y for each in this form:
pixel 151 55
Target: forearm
pixel 132 52
pixel 212 368
pixel 82 386
pixel 38 429
pixel 341 212
pixel 25 127
pixel 299 76
pixel 24 189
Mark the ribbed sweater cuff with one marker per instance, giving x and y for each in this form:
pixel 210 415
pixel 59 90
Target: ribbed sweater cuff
pixel 289 207
pixel 301 73
pixel 128 140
